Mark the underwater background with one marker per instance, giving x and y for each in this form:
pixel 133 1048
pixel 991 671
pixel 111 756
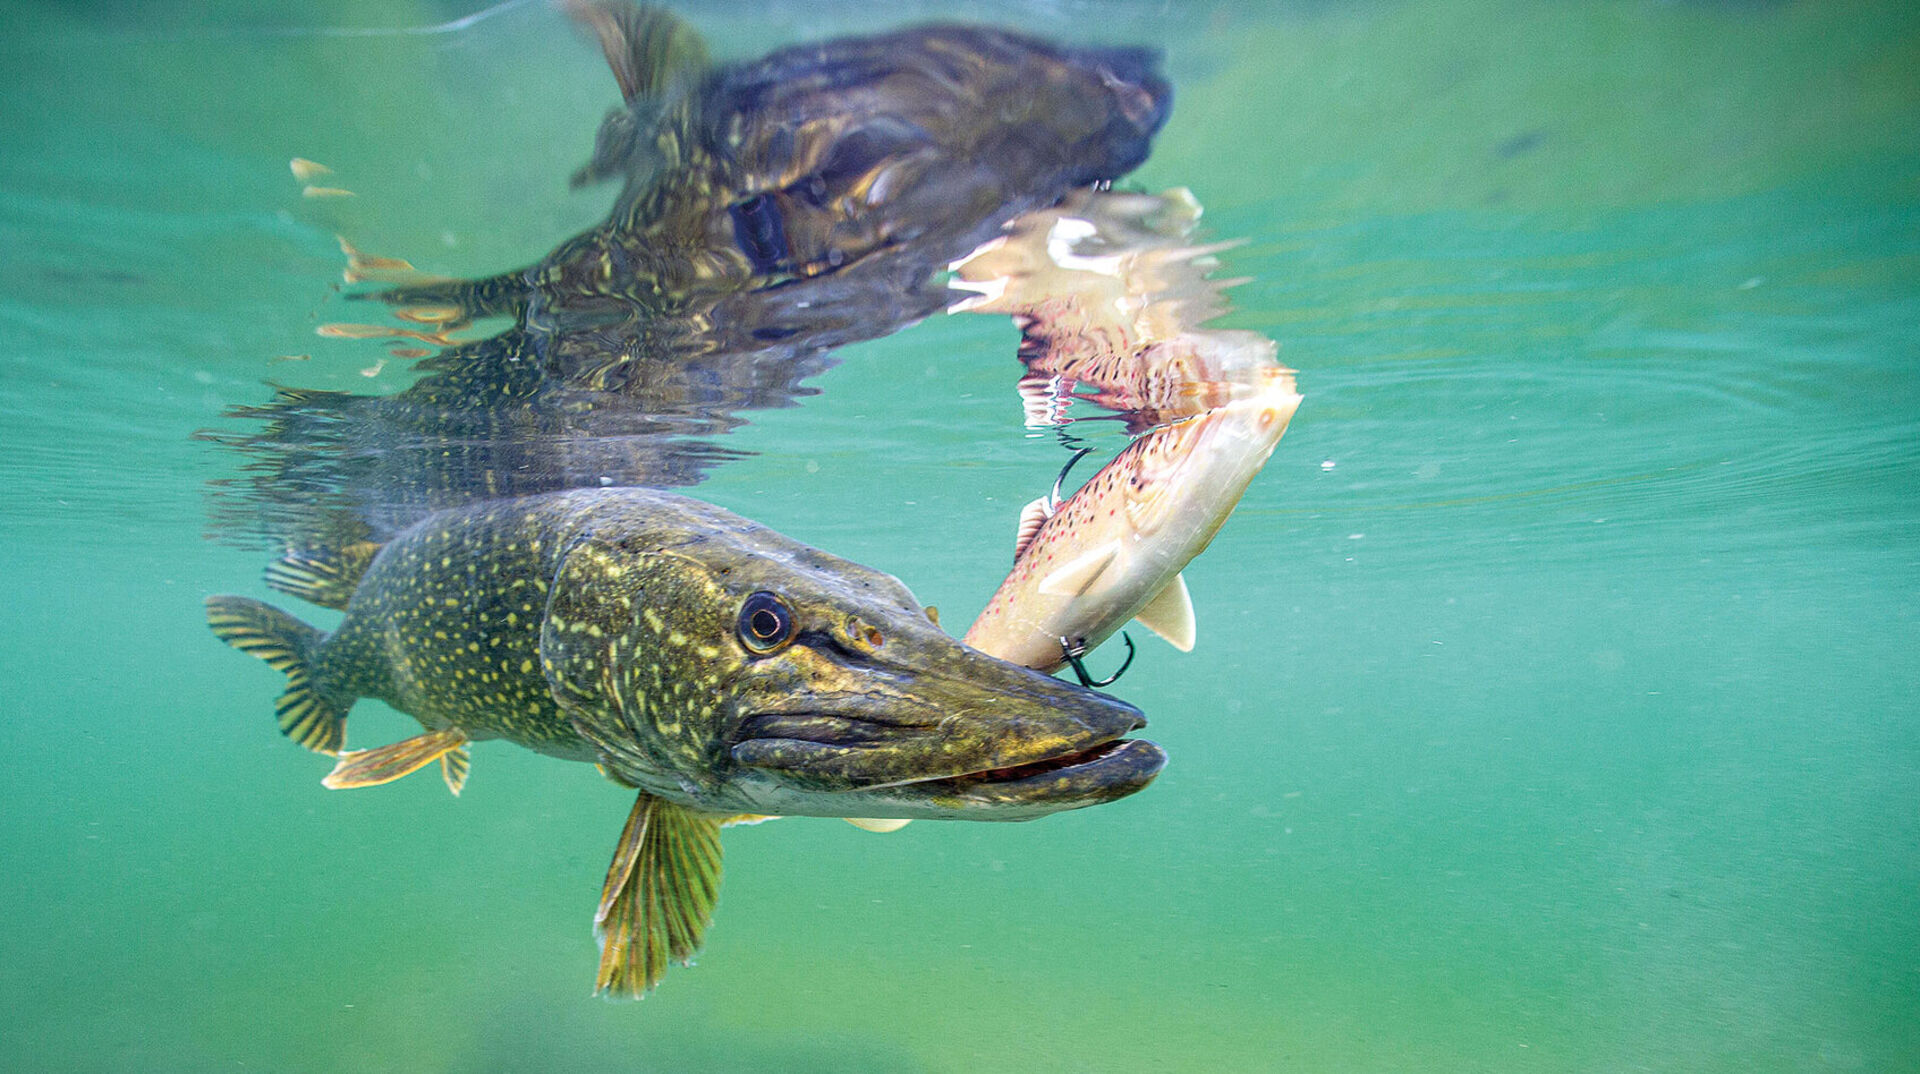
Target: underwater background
pixel 1554 707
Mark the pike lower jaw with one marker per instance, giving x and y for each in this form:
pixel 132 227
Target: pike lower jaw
pixel 826 767
pixel 1127 762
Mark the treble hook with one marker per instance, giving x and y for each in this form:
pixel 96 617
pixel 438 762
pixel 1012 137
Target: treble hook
pixel 1062 479
pixel 1075 650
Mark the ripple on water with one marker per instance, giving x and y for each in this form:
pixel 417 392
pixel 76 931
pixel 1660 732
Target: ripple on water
pixel 1592 387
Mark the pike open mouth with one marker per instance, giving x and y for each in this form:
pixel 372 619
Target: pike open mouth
pixel 843 753
pixel 1040 768
pixel 1112 769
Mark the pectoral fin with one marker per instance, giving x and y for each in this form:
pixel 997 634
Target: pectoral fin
pixel 1082 574
pixel 747 818
pixel 659 895
pixel 370 768
pixel 1170 615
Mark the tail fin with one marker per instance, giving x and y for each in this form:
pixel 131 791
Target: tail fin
pixel 287 645
pixel 506 294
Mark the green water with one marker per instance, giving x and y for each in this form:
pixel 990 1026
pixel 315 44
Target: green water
pixel 1554 706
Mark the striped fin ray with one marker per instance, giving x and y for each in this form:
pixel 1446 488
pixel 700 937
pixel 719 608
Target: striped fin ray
pixel 453 768
pixel 648 48
pixel 326 578
pixel 287 645
pixel 307 719
pixel 659 895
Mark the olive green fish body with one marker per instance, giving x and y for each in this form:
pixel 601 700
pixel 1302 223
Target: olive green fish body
pixel 449 620
pixel 618 626
pixel 445 626
pixel 722 669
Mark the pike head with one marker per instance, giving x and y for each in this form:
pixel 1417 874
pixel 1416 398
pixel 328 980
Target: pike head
pixel 719 665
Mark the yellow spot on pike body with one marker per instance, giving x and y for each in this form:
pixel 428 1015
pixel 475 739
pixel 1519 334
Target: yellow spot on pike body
pixel 653 620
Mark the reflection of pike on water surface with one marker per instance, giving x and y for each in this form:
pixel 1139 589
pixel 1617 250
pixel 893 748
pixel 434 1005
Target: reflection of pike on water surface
pixel 771 211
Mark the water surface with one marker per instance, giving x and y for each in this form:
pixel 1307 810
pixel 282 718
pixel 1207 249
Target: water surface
pixel 1553 706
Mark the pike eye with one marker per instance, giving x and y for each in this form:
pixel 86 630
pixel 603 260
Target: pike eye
pixel 766 623
pixel 759 232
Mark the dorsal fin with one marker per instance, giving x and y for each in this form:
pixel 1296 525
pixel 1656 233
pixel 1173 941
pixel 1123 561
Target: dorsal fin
pixel 654 57
pixel 650 49
pixel 1032 517
pixel 324 577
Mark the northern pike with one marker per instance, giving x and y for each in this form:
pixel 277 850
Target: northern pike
pixel 1112 297
pixel 722 670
